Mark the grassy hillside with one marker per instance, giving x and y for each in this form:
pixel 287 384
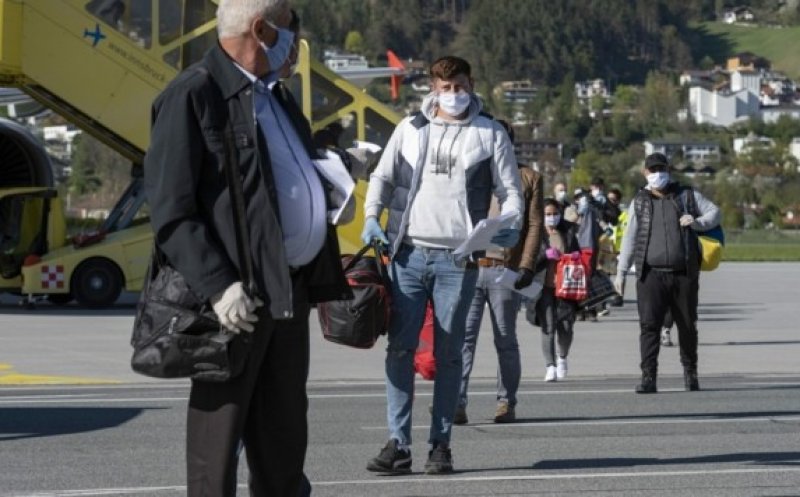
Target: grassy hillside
pixel 779 45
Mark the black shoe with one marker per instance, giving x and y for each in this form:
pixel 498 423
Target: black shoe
pixel 648 385
pixel 616 301
pixel 391 460
pixel 690 380
pixel 460 416
pixel 440 461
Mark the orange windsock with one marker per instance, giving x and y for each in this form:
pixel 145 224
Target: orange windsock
pixel 396 80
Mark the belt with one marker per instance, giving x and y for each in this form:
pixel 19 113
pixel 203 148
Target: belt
pixel 491 262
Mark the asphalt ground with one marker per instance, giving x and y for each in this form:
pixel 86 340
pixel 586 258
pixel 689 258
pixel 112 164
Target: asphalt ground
pixel 74 421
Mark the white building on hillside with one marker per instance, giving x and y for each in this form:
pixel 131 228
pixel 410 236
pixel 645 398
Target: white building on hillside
pixel 697 152
pixel 721 108
pixel 586 90
pixel 772 114
pixel 794 148
pixel 747 143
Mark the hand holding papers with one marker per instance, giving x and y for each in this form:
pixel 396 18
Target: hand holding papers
pixel 482 234
pixel 508 277
pixel 332 169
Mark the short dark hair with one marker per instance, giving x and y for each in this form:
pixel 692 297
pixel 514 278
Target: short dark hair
pixel 450 66
pixel 551 201
pixel 616 192
pixel 508 129
pixel 597 181
pixel 656 160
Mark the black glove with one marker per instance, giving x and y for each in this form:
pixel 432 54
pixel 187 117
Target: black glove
pixel 524 279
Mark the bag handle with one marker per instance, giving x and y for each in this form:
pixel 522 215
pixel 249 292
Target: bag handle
pixel 239 212
pixel 379 249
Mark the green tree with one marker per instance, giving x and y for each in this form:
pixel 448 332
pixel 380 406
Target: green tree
pixel 354 42
pixel 83 178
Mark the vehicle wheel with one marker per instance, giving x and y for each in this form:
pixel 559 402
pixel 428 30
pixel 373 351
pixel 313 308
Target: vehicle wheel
pixel 59 298
pixel 97 283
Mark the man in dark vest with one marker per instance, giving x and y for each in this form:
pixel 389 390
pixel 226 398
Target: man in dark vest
pixel 661 240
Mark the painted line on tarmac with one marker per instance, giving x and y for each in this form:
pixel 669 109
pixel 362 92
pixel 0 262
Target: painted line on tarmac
pixel 93 400
pixel 10 377
pixel 395 480
pixel 654 421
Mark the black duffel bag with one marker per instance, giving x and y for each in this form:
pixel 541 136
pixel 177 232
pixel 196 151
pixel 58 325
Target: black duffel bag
pixel 176 334
pixel 358 322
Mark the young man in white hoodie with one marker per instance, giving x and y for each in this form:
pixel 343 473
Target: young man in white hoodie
pixel 436 177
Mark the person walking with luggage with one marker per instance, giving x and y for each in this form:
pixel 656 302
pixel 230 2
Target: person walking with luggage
pixel 589 232
pixel 294 250
pixel 504 302
pixel 556 316
pixel 661 241
pixel 436 177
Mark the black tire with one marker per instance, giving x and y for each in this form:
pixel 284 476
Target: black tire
pixel 59 298
pixel 97 283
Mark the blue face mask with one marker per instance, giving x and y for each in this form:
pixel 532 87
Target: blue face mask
pixel 278 53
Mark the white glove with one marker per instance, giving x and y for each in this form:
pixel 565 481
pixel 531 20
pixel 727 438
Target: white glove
pixel 686 220
pixel 235 310
pixel 619 281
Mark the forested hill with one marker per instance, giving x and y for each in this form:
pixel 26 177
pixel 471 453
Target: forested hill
pixel 543 40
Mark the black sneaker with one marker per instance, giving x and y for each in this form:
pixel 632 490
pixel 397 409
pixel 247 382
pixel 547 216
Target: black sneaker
pixel 440 461
pixel 690 380
pixel 391 460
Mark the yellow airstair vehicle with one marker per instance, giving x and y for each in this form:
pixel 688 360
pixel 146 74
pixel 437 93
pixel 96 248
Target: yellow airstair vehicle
pixel 100 64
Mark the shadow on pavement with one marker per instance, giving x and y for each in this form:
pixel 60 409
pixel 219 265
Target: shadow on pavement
pixel 703 415
pixel 33 422
pixel 755 458
pixel 763 342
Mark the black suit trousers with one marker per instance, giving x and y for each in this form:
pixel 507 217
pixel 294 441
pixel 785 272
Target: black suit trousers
pixel 657 293
pixel 265 408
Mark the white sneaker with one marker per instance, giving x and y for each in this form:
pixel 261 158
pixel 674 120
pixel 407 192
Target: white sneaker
pixel 551 374
pixel 561 368
pixel 666 339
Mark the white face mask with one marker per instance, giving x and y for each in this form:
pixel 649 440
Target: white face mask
pixel 561 195
pixel 552 220
pixel 454 104
pixel 658 180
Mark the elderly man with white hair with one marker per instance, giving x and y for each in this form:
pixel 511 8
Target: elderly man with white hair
pixel 293 247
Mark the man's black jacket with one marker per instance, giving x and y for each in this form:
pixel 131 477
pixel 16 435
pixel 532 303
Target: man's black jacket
pixel 190 203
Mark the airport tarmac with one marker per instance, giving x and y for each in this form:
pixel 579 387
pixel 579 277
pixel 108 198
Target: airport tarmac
pixel 74 421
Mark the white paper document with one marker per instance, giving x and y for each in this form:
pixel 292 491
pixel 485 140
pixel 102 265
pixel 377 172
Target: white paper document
pixel 482 234
pixel 508 277
pixel 333 169
pixel 372 147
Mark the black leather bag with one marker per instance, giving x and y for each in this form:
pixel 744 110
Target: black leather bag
pixel 601 288
pixel 358 322
pixel 175 333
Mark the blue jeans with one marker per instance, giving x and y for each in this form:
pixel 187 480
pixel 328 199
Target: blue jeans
pixel 419 274
pixel 503 309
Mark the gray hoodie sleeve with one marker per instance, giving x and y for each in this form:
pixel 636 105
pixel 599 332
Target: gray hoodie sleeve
pixel 709 213
pixel 626 250
pixel 381 181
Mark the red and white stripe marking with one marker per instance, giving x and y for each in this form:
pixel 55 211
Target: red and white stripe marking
pixel 52 277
